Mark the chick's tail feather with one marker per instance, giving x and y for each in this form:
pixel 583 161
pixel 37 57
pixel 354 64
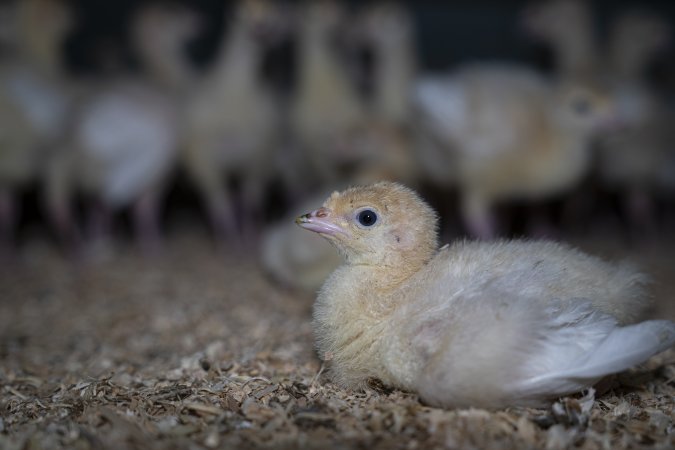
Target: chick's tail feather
pixel 620 349
pixel 523 351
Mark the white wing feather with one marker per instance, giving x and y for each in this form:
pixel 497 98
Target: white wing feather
pixel 491 347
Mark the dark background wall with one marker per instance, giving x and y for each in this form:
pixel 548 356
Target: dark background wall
pixel 449 32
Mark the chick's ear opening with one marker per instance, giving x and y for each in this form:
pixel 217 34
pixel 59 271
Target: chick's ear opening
pixel 402 239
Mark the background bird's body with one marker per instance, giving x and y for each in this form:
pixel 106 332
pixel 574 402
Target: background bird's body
pixel 20 148
pixel 119 153
pixel 294 258
pixel 233 123
pixel 123 142
pixel 638 161
pixel 35 99
pixel 508 133
pixel 327 114
pixel 473 324
pixel 126 142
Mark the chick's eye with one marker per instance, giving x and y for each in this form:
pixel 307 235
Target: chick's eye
pixel 367 218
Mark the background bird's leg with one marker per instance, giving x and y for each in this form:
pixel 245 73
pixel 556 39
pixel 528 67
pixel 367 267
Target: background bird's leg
pixel 540 223
pixel 7 223
pixel 293 169
pixel 577 211
pixel 146 221
pixel 639 206
pixel 57 198
pixel 99 223
pixel 478 219
pixel 216 197
pixel 219 205
pixel 62 219
pixel 252 208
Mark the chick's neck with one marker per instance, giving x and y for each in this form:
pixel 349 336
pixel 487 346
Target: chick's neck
pixel 394 268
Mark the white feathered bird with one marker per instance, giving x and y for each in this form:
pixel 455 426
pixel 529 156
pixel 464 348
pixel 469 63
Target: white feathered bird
pixel 471 324
pixel 124 140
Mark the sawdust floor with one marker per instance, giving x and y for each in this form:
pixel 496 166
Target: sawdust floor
pixel 198 350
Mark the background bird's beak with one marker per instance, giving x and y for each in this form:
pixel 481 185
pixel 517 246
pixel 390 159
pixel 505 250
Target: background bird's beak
pixel 320 222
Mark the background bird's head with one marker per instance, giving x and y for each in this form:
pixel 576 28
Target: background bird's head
pixel 585 106
pixel 382 224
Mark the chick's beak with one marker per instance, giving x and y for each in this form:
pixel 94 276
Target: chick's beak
pixel 320 222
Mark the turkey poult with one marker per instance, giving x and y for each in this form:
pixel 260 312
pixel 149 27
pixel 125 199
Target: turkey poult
pixel 470 324
pixel 327 112
pixel 638 161
pixel 34 99
pixel 233 122
pixel 508 133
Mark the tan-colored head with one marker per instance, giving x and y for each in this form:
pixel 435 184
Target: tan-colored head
pixel 323 17
pixel 264 22
pixel 383 224
pixel 42 27
pixel 556 21
pixel 161 28
pixel 636 38
pixel 387 24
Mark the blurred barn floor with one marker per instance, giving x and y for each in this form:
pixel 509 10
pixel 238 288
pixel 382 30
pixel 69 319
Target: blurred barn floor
pixel 198 350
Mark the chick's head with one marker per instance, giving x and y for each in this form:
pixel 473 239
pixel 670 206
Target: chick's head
pixel 637 36
pixel 585 107
pixel 382 224
pixel 387 24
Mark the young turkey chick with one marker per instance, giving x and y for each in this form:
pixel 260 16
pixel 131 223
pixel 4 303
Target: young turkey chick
pixel 636 38
pixel 387 139
pixel 638 160
pixel 472 324
pixel 233 122
pixel 124 140
pixel 122 149
pixel 19 162
pixel 327 113
pixel 34 101
pixel 41 26
pixel 388 30
pixel 511 134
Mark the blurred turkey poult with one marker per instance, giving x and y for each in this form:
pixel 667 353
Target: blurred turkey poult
pixel 35 99
pixel 234 121
pixel 124 138
pixel 638 161
pixel 506 132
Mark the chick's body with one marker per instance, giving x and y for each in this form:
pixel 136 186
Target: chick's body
pixel 472 324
